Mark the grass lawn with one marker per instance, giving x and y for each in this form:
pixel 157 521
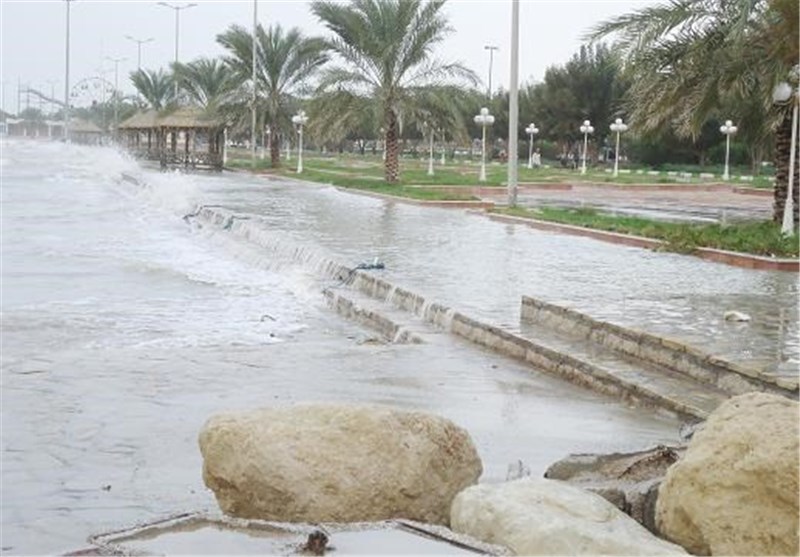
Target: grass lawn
pixel 465 172
pixel 366 173
pixel 760 238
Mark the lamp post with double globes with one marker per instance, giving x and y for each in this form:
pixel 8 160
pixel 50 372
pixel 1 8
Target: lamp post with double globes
pixel 728 129
pixel 483 119
pixel 784 93
pixel 531 130
pixel 586 129
pixel 618 126
pixel 300 120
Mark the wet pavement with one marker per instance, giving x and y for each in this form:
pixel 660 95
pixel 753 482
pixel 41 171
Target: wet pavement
pixel 678 205
pixel 124 329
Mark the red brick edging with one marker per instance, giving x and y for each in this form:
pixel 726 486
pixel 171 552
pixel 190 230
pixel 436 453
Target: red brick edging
pixel 450 204
pixel 744 260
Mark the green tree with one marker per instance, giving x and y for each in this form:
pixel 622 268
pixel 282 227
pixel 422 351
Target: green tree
pixel 205 81
pixel 589 86
pixel 689 59
pixel 155 87
pixel 285 60
pixel 386 47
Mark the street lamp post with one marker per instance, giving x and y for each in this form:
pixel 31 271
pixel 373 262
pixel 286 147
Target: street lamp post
pixel 66 82
pixel 728 129
pixel 483 119
pixel 116 91
pixel 139 43
pixel 300 120
pixel 586 129
pixel 784 92
pixel 255 86
pixel 531 130
pixel 491 50
pixel 177 10
pixel 513 109
pixel 618 126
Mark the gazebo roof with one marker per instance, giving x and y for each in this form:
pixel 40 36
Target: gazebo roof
pixel 187 117
pixel 141 120
pixel 182 117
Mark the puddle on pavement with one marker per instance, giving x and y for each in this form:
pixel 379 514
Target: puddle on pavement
pixel 184 535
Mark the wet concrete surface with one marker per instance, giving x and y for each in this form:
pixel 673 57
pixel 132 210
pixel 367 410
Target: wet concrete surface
pixel 104 439
pixel 124 329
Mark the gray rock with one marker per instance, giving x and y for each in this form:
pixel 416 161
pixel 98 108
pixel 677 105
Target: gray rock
pixel 534 516
pixel 628 480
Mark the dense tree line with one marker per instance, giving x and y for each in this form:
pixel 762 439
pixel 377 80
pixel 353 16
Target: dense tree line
pixel 673 71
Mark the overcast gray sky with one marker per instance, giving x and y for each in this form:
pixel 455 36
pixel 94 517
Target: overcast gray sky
pixel 32 50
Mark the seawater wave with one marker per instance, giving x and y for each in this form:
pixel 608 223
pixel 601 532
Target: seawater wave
pixel 91 261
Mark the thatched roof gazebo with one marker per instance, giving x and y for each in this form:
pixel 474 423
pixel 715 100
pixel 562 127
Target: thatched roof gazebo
pixel 179 137
pixel 140 133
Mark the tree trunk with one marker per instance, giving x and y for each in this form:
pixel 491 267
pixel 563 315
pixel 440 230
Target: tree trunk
pixel 274 145
pixel 392 164
pixel 783 138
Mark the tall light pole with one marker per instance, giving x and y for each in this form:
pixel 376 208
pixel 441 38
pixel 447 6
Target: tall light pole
pixel 483 119
pixel 531 130
pixel 139 43
pixel 491 50
pixel 728 129
pixel 66 81
pixel 255 88
pixel 586 129
pixel 177 9
pixel 617 127
pixel 784 92
pixel 116 89
pixel 513 108
pixel 300 120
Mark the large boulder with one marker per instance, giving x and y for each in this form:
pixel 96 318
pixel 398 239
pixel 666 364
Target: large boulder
pixel 535 516
pixel 337 463
pixel 735 492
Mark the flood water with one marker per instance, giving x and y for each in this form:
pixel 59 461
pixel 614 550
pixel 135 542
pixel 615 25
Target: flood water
pixel 124 328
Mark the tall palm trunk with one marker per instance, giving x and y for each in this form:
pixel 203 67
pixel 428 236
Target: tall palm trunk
pixel 783 138
pixel 392 165
pixel 274 144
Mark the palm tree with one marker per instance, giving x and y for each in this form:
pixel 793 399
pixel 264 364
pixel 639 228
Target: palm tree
pixel 155 87
pixel 284 62
pixel 690 58
pixel 205 81
pixel 386 47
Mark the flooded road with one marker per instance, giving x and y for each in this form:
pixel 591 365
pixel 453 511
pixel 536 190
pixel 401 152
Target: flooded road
pixel 124 329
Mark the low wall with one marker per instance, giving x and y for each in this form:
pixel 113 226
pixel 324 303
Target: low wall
pixel 481 333
pixel 702 366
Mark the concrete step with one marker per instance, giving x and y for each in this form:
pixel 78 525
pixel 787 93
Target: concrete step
pixel 663 387
pixel 395 325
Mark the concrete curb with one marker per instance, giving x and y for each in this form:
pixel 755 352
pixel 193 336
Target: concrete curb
pixel 747 261
pixel 450 204
pixel 496 338
pixel 671 354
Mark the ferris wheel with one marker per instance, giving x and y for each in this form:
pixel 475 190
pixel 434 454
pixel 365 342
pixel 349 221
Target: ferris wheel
pixel 90 91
